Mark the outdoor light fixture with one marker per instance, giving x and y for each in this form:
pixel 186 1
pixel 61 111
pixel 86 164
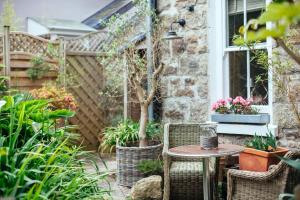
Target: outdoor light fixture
pixel 171 34
pixel 191 8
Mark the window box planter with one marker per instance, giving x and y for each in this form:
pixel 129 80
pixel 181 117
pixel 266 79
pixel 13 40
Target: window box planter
pixel 261 118
pixel 259 161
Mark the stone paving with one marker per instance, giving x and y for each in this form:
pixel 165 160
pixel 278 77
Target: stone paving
pixel 108 164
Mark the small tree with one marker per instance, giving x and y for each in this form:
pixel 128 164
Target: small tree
pixel 8 16
pixel 125 33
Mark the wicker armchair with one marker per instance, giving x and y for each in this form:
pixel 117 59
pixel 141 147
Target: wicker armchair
pixel 182 177
pixel 247 185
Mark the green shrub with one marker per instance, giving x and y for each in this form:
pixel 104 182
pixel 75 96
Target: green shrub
pixel 267 143
pixel 151 167
pixel 36 159
pixel 126 132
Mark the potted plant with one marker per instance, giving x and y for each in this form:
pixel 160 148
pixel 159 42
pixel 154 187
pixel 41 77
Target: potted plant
pixel 260 153
pixel 238 110
pixel 124 62
pixel 125 139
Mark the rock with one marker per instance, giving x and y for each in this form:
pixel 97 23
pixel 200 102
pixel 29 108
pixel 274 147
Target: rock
pixel 147 188
pixel 174 114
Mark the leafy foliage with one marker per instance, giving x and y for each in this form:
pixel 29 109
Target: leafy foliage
pixel 38 69
pixel 267 143
pixel 3 83
pixel 58 98
pixel 292 163
pixel 36 159
pixel 151 167
pixel 127 132
pixel 281 14
pixel 8 16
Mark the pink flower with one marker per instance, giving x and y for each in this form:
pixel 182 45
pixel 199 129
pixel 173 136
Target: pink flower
pixel 229 99
pixel 68 98
pixel 238 100
pixel 222 102
pixel 215 106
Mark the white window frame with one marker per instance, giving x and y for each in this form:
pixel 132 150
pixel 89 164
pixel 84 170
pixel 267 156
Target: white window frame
pixel 219 75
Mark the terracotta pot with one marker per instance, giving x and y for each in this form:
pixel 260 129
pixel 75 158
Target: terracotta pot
pixel 259 161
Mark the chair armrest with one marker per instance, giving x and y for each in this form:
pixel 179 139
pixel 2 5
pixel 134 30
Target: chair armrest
pixel 233 177
pixel 258 176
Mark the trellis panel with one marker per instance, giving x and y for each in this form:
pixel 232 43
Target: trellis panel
pixel 89 82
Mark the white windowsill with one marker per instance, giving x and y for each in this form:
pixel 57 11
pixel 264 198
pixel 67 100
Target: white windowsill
pixel 246 129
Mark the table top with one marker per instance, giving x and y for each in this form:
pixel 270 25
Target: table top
pixel 195 151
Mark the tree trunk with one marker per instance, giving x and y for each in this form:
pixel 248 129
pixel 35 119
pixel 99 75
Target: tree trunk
pixel 143 124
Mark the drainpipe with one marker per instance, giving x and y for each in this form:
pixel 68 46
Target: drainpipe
pixel 151 4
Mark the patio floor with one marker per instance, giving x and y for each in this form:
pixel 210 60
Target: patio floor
pixel 108 164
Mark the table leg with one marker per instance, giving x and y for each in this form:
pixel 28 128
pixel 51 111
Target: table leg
pixel 206 179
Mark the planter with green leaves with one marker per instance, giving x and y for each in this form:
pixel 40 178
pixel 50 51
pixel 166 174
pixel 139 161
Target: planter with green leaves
pixel 125 139
pixel 260 153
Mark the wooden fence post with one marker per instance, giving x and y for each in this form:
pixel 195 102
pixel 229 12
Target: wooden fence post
pixel 62 60
pixel 6 54
pixel 125 91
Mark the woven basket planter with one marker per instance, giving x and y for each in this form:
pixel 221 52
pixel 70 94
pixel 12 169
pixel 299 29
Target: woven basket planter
pixel 128 159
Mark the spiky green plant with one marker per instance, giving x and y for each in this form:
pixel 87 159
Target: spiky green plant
pixel 151 167
pixel 36 159
pixel 126 132
pixel 267 143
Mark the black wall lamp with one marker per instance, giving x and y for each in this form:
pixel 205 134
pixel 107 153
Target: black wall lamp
pixel 171 34
pixel 191 8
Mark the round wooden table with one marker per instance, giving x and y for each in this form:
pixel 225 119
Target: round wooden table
pixel 195 151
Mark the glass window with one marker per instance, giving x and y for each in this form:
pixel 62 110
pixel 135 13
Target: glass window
pixel 258 81
pixel 247 77
pixel 238 73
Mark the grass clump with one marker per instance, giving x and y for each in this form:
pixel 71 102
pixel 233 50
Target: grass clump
pixel 127 132
pixel 267 143
pixel 37 160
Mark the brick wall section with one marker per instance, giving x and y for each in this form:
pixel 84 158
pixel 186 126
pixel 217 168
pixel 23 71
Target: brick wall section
pixel 185 79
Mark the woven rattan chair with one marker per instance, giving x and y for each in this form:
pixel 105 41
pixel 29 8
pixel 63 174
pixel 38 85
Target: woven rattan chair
pixel 247 185
pixel 183 179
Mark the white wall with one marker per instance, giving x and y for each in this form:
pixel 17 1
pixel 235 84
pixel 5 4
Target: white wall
pixel 76 10
pixel 35 28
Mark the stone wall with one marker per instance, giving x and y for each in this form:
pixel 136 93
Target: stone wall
pixel 284 116
pixel 185 80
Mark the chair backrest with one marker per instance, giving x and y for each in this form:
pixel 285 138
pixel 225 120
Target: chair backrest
pixel 293 177
pixel 185 134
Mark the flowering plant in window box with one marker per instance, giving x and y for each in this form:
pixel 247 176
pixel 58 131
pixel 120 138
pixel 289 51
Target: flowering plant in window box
pixel 238 110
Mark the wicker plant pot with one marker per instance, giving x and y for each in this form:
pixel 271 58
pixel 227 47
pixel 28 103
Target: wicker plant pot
pixel 128 159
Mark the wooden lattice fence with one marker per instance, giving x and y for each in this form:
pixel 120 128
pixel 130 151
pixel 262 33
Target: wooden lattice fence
pixel 22 48
pixel 91 42
pixel 88 73
pixel 80 56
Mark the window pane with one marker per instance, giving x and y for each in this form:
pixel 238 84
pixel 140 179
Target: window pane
pixel 253 5
pixel 254 10
pixel 238 73
pixel 259 80
pixel 235 18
